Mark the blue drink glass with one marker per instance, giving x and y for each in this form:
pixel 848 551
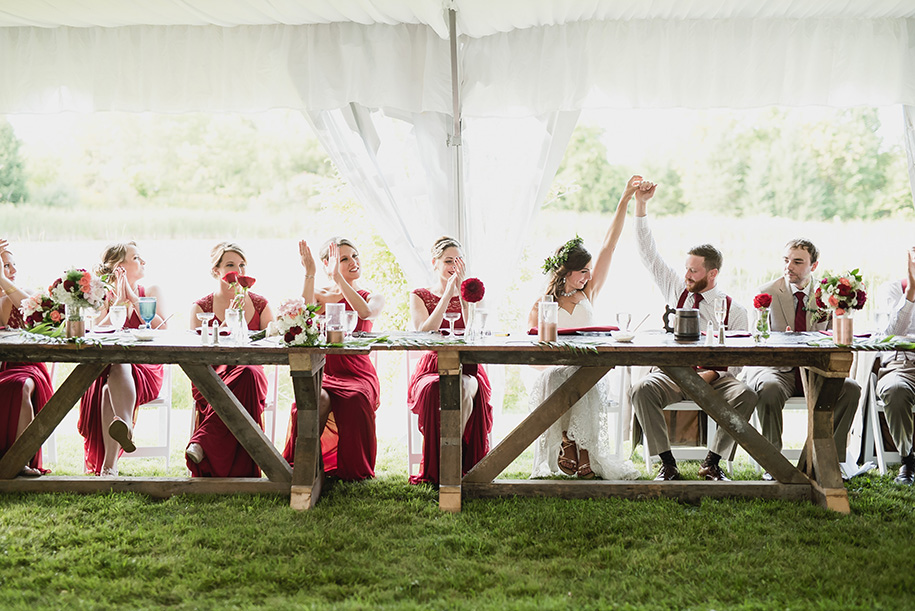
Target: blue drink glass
pixel 146 308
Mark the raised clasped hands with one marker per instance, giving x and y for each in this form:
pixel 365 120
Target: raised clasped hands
pixel 452 288
pixel 643 189
pixel 308 261
pixel 122 290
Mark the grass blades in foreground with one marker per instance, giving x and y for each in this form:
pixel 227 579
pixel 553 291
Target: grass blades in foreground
pixel 385 544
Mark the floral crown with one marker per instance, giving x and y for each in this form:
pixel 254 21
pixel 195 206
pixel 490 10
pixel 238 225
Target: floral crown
pixel 559 259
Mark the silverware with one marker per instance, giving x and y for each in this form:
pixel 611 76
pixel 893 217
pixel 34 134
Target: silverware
pixel 164 321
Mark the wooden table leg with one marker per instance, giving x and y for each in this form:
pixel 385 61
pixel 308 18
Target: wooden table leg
pixel 308 475
pixel 450 459
pixel 822 458
pixel 46 420
pixel 743 433
pixel 239 422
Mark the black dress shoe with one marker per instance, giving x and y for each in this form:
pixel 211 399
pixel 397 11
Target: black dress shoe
pixel 713 473
pixel 667 473
pixel 906 475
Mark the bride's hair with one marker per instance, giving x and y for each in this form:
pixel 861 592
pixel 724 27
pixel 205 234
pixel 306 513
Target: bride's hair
pixel 112 256
pixel 220 250
pixel 324 253
pixel 574 256
pixel 444 243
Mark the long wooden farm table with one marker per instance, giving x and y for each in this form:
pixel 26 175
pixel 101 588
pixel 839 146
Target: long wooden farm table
pixel 184 349
pixel 826 367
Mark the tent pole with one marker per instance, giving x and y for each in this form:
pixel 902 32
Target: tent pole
pixel 455 139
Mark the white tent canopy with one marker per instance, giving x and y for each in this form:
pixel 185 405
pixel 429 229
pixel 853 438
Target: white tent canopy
pixel 352 65
pixel 518 57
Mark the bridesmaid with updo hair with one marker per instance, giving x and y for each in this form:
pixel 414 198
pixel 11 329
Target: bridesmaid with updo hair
pixel 213 451
pixel 108 410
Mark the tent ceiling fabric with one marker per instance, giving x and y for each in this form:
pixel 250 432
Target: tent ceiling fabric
pixel 518 57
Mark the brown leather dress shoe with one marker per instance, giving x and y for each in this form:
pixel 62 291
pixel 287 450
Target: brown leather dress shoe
pixel 906 475
pixel 713 473
pixel 667 473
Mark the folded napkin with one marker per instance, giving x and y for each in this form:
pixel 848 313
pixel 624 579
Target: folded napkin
pixel 577 330
pixel 733 334
pixel 829 333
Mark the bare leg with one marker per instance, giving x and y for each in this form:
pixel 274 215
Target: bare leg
pixel 469 389
pixel 119 398
pixel 323 408
pixel 26 415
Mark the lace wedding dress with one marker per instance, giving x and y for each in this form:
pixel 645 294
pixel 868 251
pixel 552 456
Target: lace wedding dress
pixel 587 422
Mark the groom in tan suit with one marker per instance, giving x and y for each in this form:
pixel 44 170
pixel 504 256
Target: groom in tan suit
pixel 794 309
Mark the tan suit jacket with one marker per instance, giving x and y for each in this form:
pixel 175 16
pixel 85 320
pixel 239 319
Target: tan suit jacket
pixel 781 313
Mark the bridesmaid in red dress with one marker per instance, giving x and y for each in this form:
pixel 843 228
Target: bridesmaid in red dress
pixel 24 387
pixel 213 451
pixel 427 309
pixel 350 390
pixel 108 410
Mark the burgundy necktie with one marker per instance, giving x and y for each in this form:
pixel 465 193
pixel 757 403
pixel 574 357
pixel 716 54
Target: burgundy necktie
pixel 800 316
pixel 800 324
pixel 697 297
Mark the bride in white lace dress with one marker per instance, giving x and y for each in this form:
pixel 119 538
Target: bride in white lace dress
pixel 579 443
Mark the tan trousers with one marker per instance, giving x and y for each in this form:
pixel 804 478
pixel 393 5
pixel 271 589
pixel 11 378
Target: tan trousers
pixel 654 392
pixel 896 388
pixel 774 387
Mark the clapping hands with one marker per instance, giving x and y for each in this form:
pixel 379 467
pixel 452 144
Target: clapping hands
pixel 308 261
pixel 453 286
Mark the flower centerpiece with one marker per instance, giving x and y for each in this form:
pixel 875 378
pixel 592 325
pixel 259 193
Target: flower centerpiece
pixel 41 314
pixel 842 294
pixel 762 302
pixel 296 322
pixel 472 291
pixel 78 289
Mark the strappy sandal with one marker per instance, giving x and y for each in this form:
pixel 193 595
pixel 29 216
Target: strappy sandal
pixel 567 465
pixel 585 472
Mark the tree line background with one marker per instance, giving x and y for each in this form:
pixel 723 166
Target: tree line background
pixel 779 165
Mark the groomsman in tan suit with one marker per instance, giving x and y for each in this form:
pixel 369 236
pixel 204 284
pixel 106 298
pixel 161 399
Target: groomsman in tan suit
pixel 794 309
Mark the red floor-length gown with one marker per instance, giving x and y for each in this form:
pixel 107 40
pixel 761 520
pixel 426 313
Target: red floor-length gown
pixel 223 455
pixel 148 382
pixel 12 379
pixel 423 399
pixel 348 444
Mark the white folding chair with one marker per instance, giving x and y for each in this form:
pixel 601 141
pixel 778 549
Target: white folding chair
pixel 414 437
pixel 874 445
pixel 163 406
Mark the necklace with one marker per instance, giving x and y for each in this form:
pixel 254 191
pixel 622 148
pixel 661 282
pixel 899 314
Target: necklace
pixel 564 294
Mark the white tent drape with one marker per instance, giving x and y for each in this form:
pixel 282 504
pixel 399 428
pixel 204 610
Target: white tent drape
pixel 399 166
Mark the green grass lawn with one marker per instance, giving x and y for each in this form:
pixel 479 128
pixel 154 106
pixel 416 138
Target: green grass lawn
pixel 385 544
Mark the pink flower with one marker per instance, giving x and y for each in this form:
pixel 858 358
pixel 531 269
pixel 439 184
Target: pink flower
pixel 833 301
pixel 840 312
pixel 55 316
pixel 845 281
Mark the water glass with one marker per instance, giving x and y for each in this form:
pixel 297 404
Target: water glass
pixel 117 316
pixel 351 319
pixel 146 308
pixel 623 319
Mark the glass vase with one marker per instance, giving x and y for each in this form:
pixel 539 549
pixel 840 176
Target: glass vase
pixel 761 332
pixel 843 329
pixel 75 325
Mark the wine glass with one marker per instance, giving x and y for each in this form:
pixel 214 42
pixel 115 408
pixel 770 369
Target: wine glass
pixel 721 312
pixel 623 319
pixel 452 317
pixel 322 320
pixel 146 308
pixel 350 320
pixel 117 316
pixel 481 316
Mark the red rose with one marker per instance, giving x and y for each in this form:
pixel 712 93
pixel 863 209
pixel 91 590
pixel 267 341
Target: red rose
pixel 230 278
pixel 763 300
pixel 472 290
pixel 246 281
pixel 844 290
pixel 69 285
pixel 861 297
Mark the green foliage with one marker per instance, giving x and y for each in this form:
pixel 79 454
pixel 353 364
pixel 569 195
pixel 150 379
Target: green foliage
pixel 12 172
pixel 777 164
pixel 597 184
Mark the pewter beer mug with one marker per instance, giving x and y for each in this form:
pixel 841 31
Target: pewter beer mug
pixel 686 323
